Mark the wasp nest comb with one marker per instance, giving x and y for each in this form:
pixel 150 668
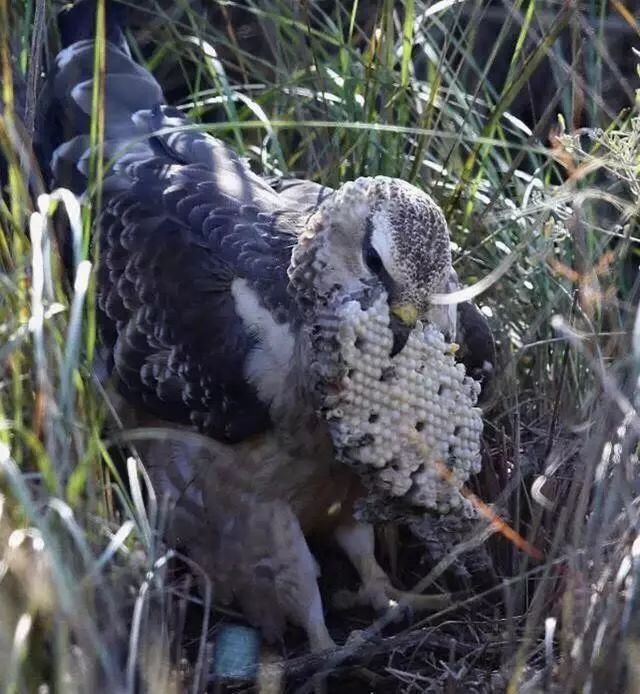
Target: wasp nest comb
pixel 408 423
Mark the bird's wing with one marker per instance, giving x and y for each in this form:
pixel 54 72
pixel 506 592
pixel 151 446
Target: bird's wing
pixel 473 334
pixel 301 194
pixel 187 232
pixel 477 346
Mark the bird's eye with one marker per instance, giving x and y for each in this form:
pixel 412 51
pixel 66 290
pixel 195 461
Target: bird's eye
pixel 372 259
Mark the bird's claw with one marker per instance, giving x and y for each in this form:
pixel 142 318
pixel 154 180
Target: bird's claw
pixel 365 597
pixel 383 596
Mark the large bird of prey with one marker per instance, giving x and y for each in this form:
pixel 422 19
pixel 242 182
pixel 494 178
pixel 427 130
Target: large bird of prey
pixel 209 281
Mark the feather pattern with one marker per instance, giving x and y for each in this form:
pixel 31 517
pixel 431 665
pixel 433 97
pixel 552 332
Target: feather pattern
pixel 176 198
pixel 183 218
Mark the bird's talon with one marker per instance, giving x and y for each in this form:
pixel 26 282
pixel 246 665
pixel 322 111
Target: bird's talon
pixel 417 602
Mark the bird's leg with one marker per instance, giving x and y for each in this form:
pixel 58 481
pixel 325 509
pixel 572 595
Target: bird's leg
pixel 298 587
pixel 314 624
pixel 289 567
pixel 357 541
pixel 254 549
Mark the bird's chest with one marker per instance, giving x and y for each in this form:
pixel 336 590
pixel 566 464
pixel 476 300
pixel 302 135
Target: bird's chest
pixel 299 467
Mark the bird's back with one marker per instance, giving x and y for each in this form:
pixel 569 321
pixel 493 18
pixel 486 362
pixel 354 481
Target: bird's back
pixel 193 246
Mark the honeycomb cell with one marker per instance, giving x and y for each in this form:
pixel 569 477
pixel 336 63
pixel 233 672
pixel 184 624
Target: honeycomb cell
pixel 416 411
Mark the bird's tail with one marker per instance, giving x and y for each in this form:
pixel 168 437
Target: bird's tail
pixel 78 23
pixel 130 96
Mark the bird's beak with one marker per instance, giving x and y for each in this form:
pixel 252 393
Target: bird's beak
pixel 402 321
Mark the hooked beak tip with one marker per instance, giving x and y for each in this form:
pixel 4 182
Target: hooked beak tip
pixel 402 320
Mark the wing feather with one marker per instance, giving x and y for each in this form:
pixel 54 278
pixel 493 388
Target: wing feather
pixel 183 218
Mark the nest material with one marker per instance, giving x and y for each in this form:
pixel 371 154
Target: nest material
pixel 408 424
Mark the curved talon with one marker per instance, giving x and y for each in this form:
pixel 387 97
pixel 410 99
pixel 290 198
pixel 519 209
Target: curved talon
pixel 385 597
pixel 357 540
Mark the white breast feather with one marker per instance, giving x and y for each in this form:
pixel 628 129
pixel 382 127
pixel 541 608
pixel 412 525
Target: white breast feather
pixel 270 362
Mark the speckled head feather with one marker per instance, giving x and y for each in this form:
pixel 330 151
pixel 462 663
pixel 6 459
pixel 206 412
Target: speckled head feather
pixel 402 225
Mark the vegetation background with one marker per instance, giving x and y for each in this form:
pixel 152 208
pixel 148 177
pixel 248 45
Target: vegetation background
pixel 520 117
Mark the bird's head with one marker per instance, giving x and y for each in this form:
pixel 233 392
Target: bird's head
pixel 377 235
